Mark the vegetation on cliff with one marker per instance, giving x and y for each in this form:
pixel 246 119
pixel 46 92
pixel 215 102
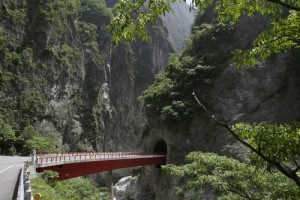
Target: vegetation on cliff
pixel 271 172
pixel 75 189
pixel 282 34
pixel 274 148
pixel 28 140
pixel 170 96
pixel 42 54
pixel 230 179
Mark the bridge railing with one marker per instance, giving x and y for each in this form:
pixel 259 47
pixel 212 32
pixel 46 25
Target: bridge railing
pixel 42 158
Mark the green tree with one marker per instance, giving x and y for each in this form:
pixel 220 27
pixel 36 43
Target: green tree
pixel 94 10
pixel 33 140
pixel 6 132
pixel 45 144
pixel 7 138
pixel 277 146
pixel 132 17
pixel 170 96
pixel 268 144
pixel 29 132
pixel 230 179
pixel 75 189
pixel 78 189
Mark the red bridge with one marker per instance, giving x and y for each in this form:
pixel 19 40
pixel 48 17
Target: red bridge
pixel 70 165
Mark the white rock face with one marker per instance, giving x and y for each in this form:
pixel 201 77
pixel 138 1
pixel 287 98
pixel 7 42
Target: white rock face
pixel 125 188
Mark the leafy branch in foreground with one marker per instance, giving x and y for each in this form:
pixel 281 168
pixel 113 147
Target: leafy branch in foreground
pixel 133 16
pixel 280 37
pixel 277 145
pixel 272 145
pixel 230 179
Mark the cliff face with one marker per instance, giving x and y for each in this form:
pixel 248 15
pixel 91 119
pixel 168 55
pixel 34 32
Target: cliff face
pixel 61 74
pixel 178 24
pixel 266 92
pixel 132 70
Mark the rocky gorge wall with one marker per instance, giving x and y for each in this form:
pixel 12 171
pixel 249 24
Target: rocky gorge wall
pixel 269 91
pixel 61 73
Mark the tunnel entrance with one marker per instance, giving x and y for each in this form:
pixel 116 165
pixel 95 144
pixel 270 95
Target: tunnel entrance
pixel 160 147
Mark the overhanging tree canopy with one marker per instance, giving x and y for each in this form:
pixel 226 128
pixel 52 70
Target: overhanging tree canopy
pixel 133 16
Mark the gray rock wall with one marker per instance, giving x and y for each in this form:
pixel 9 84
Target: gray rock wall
pixel 268 92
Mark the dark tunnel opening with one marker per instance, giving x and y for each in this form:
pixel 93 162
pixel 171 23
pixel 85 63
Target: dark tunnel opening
pixel 161 147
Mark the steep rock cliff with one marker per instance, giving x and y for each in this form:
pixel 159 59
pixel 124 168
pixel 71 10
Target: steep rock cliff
pixel 179 24
pixel 61 73
pixel 266 92
pixel 132 70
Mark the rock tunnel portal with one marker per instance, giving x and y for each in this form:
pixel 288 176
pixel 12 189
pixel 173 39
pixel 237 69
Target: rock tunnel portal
pixel 160 147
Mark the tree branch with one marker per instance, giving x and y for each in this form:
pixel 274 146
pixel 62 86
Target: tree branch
pixel 237 190
pixel 286 171
pixel 297 167
pixel 240 194
pixel 291 7
pixel 138 7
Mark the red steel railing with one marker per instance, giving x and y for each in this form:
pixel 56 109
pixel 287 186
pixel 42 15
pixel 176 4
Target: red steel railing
pixel 69 157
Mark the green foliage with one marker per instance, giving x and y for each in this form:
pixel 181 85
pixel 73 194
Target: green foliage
pixel 279 143
pixel 7 139
pixel 230 179
pixel 46 144
pixel 132 17
pixel 29 132
pixel 69 57
pixel 33 140
pixel 93 16
pixel 171 93
pixel 66 56
pixel 18 16
pixel 6 132
pixel 92 11
pixel 32 104
pixel 75 189
pixel 39 185
pixel 232 10
pixel 39 48
pixel 57 9
pixel 12 151
pixel 201 61
pixel 12 58
pixel 87 31
pixel 49 174
pixel 207 42
pixel 3 43
pixel 281 36
pixel 16 13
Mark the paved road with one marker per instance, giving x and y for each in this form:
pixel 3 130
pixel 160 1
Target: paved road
pixel 9 170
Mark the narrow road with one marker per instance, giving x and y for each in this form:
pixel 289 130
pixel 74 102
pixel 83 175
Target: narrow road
pixel 9 170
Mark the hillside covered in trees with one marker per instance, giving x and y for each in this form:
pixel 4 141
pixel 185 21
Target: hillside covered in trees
pixel 225 108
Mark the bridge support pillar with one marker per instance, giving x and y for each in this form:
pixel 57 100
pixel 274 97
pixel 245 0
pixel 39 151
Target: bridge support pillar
pixel 109 183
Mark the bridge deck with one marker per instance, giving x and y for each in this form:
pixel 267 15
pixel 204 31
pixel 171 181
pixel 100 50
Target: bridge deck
pixel 70 165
